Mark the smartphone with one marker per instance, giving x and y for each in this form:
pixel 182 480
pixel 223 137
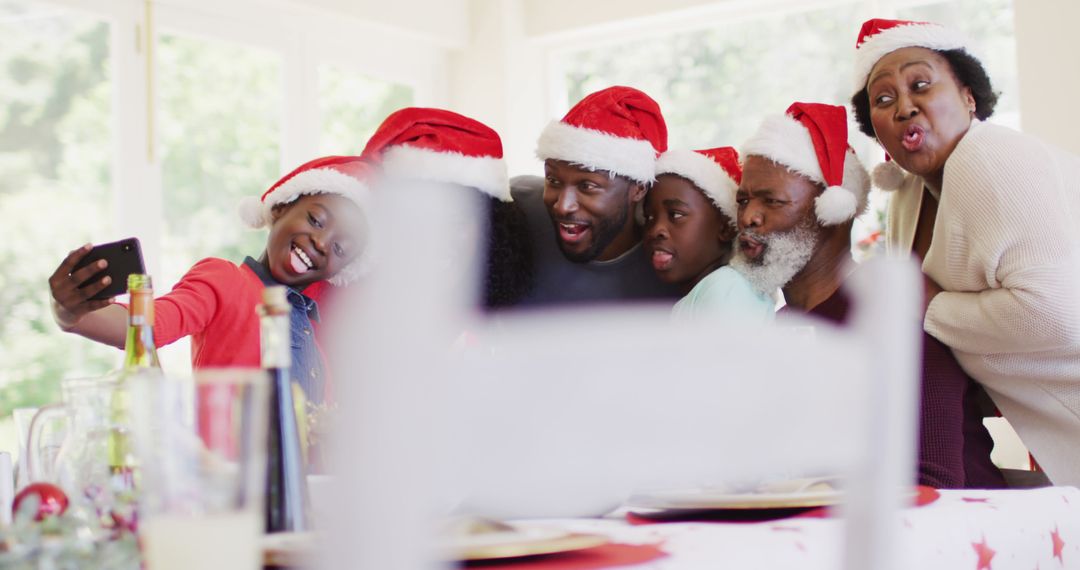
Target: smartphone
pixel 124 257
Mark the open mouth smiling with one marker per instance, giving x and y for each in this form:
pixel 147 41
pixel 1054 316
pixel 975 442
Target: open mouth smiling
pixel 572 232
pixel 299 260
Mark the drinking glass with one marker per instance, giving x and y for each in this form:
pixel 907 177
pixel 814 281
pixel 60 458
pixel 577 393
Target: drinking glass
pixel 23 418
pixel 202 456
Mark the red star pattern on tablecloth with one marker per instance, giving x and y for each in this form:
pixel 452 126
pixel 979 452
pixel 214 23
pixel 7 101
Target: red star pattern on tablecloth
pixel 985 554
pixel 1059 545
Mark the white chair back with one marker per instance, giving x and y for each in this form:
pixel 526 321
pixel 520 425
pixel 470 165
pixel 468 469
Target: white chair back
pixel 569 412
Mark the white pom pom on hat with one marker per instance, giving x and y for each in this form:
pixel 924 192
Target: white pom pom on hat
pixel 811 139
pixel 836 205
pixel 252 212
pixel 888 175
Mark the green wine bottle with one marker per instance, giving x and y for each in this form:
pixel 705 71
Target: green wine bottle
pixel 140 364
pixel 139 350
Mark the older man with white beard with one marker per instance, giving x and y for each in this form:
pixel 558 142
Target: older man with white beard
pixel 801 188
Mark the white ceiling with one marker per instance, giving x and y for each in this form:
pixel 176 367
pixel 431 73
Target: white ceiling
pixel 442 21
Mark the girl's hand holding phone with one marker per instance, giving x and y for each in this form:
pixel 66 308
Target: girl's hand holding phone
pixel 71 295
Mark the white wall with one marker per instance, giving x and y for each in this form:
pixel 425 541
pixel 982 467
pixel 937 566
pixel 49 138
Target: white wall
pixel 443 21
pixel 500 78
pixel 501 74
pixel 557 16
pixel 1048 58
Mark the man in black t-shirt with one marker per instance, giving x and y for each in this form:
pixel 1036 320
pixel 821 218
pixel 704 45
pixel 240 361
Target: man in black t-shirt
pixel 598 162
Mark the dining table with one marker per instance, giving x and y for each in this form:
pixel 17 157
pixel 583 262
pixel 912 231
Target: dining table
pixel 1029 529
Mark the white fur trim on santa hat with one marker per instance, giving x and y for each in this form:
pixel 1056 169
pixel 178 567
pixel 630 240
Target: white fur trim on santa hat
pixel 877 46
pixel 786 141
pixel 705 173
pixel 316 181
pixel 485 173
pixel 596 150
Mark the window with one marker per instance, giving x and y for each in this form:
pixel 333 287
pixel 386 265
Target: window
pixel 221 108
pixel 352 105
pixel 715 84
pixel 237 98
pixel 716 81
pixel 990 24
pixel 55 172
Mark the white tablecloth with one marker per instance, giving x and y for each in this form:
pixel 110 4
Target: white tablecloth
pixel 966 530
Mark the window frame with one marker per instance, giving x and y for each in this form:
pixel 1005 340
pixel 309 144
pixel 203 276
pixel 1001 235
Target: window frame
pixel 558 46
pixel 303 37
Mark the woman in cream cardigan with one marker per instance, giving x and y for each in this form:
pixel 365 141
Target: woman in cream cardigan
pixel 995 217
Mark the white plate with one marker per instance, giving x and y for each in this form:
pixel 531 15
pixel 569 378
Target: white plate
pixel 711 499
pixel 298 549
pixel 518 541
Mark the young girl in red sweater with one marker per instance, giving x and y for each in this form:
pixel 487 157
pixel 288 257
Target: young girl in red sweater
pixel 317 232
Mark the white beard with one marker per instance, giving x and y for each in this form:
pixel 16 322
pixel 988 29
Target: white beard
pixel 786 254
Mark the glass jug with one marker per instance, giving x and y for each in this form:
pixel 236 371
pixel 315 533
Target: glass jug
pixel 95 458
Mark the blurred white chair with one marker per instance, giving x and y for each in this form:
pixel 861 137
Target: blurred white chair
pixel 566 413
pixel 7 488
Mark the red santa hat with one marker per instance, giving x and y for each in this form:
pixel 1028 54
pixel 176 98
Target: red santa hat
pixel 716 171
pixel 879 37
pixel 346 176
pixel 811 139
pixel 440 146
pixel 618 130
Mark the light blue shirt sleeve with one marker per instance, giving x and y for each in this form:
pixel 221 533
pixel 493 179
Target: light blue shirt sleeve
pixel 725 295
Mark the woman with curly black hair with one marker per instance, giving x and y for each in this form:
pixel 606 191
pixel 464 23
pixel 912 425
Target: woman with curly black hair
pixel 994 215
pixel 463 154
pixel 415 147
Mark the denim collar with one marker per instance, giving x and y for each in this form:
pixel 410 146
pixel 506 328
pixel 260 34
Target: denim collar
pixel 298 299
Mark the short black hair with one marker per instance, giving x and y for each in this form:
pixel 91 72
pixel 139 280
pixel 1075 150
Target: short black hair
pixel 965 68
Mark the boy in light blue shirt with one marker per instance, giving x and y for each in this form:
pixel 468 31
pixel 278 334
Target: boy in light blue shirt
pixel 689 232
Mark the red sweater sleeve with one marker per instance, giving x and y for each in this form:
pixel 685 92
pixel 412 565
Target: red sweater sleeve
pixel 194 301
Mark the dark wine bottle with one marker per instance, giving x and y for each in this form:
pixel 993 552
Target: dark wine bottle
pixel 286 478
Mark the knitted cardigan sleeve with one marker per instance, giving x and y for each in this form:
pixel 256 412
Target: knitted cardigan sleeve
pixel 1019 233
